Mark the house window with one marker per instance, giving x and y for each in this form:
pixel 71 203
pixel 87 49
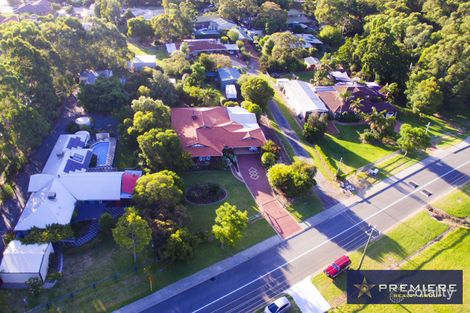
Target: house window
pixel 253 149
pixel 197 145
pixel 204 158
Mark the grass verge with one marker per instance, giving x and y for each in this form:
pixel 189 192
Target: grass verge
pixel 388 252
pixel 457 203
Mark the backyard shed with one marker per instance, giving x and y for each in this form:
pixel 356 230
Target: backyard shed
pixel 228 76
pixel 231 92
pixel 22 262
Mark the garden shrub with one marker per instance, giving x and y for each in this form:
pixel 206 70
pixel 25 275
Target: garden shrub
pixel 52 233
pixel 106 223
pixel 7 192
pixel 35 286
pixel 204 193
pixel 268 159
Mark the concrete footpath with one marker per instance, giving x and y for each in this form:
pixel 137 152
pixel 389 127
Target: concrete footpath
pixel 222 266
pixel 307 297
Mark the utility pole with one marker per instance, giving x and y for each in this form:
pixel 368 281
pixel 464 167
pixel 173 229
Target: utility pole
pixel 427 127
pixel 339 163
pixel 370 233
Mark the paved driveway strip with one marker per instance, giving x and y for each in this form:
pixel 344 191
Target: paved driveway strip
pixel 255 179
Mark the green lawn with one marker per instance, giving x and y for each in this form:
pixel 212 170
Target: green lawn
pixel 392 166
pixel 444 133
pixel 305 206
pixel 102 258
pixel 353 152
pixel 302 75
pixel 202 216
pixel 402 241
pixel 452 252
pixel 457 203
pixel 138 49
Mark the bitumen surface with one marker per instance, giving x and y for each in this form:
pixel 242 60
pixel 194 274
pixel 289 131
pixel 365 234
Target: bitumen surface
pixel 251 284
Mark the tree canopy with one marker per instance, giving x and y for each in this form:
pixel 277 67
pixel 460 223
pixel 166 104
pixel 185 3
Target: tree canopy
pixel 256 90
pixel 229 224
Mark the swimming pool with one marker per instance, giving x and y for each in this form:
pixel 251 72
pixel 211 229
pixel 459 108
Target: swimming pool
pixel 101 150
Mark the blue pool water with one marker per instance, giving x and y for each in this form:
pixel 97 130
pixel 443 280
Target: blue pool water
pixel 101 150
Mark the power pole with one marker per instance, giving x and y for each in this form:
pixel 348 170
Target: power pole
pixel 427 127
pixel 370 233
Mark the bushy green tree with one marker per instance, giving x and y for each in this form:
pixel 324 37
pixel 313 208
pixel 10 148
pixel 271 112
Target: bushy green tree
pixel 161 190
pixel 233 35
pixel 106 95
pixel 294 179
pixel 139 27
pixel 252 108
pixel 427 97
pixel 256 90
pixel 212 62
pixel 149 114
pixel 106 223
pixel 229 224
pixel 132 232
pixel 268 159
pixel 176 65
pixel 413 138
pixel 315 127
pixel 331 35
pixel 282 52
pixel 161 149
pixel 271 18
pixel 180 246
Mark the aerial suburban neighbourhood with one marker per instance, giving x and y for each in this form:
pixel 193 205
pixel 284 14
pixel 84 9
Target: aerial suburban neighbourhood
pixel 234 156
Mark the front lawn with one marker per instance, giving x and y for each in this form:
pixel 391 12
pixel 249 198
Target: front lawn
pixel 140 49
pixel 303 207
pixel 457 203
pixel 387 252
pixel 353 152
pixel 451 252
pixel 444 133
pixel 203 216
pixel 99 260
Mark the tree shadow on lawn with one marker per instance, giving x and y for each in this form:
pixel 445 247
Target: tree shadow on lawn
pixel 437 252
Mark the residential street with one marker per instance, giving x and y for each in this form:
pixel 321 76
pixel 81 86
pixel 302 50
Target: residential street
pixel 250 284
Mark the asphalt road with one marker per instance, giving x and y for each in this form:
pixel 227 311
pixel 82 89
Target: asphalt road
pixel 249 285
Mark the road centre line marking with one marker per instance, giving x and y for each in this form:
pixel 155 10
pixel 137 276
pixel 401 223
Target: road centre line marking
pixel 326 241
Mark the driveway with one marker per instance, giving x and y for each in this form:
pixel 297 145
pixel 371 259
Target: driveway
pixel 254 175
pixel 307 297
pixel 328 194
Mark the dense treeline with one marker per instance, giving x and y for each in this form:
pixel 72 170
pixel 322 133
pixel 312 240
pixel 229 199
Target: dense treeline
pixel 419 48
pixel 39 64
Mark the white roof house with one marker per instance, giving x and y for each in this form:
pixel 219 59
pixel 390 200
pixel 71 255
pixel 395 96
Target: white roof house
pixel 243 116
pixel 144 60
pixel 309 61
pixel 214 22
pixel 22 262
pixel 64 181
pixel 302 99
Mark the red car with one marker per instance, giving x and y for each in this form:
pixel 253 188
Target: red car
pixel 338 266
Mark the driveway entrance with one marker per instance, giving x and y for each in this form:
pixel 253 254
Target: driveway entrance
pixel 255 178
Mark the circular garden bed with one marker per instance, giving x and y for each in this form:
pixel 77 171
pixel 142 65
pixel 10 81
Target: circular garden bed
pixel 205 193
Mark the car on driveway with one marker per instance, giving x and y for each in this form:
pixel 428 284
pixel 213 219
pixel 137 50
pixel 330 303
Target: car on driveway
pixel 338 266
pixel 280 305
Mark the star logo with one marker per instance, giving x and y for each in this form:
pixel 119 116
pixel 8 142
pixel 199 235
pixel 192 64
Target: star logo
pixel 364 288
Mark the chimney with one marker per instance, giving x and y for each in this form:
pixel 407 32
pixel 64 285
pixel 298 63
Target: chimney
pixel 194 116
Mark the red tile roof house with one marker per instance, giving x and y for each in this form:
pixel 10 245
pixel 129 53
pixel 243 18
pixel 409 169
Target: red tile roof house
pixel 198 46
pixel 370 97
pixel 208 132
